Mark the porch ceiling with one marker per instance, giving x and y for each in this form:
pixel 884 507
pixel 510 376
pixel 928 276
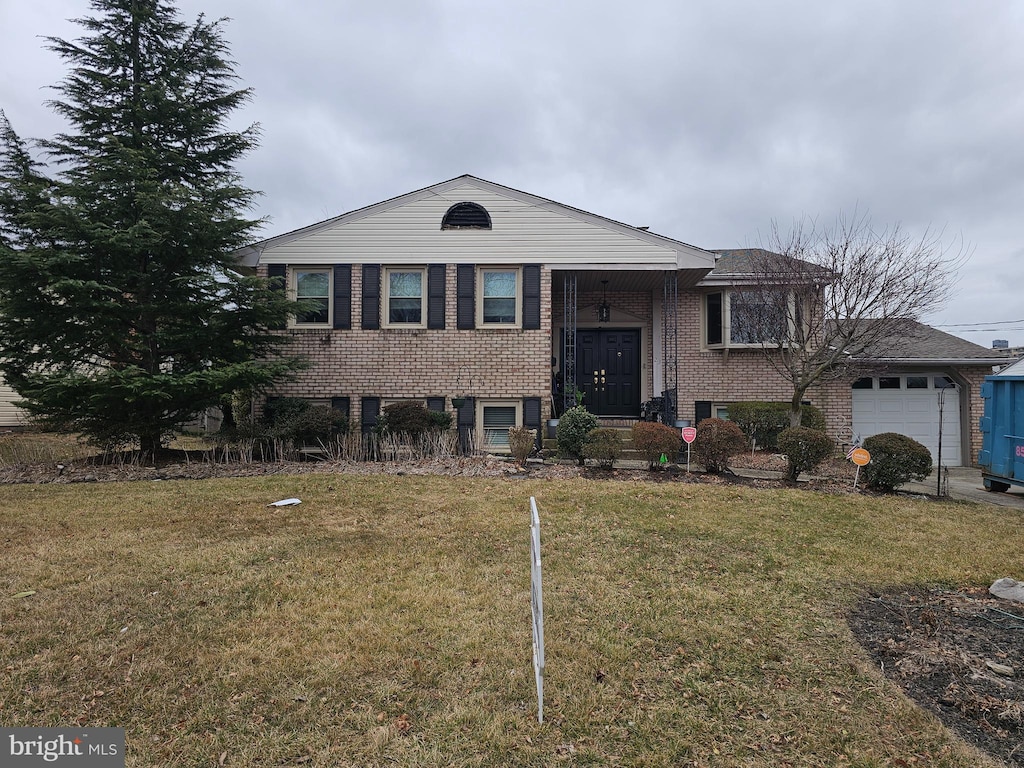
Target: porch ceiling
pixel 624 280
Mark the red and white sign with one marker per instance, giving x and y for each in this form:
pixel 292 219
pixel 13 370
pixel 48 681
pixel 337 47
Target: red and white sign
pixel 689 434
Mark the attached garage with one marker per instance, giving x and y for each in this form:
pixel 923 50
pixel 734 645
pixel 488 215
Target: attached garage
pixel 910 404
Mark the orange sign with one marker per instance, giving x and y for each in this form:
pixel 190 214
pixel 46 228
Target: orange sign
pixel 860 457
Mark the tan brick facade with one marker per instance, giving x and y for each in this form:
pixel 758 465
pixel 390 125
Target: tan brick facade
pixel 421 363
pixel 513 364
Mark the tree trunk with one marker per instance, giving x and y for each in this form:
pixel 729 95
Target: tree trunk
pixel 794 408
pixel 149 445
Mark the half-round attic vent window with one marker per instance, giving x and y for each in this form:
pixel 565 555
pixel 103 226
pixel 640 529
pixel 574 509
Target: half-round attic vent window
pixel 466 216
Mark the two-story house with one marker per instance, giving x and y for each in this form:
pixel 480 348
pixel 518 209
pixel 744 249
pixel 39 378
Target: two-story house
pixel 499 306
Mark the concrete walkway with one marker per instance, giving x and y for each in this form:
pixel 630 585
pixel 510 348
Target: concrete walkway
pixel 965 484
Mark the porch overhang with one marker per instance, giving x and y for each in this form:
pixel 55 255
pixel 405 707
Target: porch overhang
pixel 624 278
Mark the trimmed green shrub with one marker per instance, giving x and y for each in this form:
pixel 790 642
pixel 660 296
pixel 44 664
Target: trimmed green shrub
pixel 603 445
pixel 652 440
pixel 521 441
pixel 717 440
pixel 440 421
pixel 763 422
pixel 573 427
pixel 895 459
pixel 296 421
pixel 411 418
pixel 812 418
pixel 805 449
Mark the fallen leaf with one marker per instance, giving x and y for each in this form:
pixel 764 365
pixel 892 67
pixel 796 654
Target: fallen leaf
pixel 26 593
pixel 403 724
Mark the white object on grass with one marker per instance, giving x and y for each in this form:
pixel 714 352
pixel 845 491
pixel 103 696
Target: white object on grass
pixel 537 606
pixel 285 503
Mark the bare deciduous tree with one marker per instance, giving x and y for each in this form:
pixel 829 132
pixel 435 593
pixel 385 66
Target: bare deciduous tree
pixel 826 300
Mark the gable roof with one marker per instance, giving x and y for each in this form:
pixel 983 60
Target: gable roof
pixel 641 249
pixel 738 261
pixel 918 343
pixel 743 265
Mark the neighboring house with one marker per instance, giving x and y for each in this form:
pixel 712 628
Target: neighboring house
pixel 509 302
pixel 1013 369
pixel 10 414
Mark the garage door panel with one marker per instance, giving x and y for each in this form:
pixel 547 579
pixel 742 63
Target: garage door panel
pixel 920 405
pixel 914 413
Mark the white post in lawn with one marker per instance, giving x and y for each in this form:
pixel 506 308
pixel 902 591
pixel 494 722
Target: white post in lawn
pixel 537 606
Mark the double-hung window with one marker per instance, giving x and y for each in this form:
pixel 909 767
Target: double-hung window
pixel 312 287
pixel 405 289
pixel 500 296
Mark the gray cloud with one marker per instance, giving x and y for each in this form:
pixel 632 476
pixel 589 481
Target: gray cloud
pixel 705 121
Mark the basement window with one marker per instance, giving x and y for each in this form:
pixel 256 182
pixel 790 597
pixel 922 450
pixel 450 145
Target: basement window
pixel 495 419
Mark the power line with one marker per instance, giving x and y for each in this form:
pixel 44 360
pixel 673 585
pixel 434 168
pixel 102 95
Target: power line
pixel 989 330
pixel 971 325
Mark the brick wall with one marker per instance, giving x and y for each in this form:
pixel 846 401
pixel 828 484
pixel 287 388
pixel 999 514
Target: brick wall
pixel 513 364
pixel 419 363
pixel 970 386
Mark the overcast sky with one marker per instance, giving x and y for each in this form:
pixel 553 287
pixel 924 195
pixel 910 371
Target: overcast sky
pixel 705 120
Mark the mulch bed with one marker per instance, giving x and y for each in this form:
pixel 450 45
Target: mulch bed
pixel 181 465
pixel 959 655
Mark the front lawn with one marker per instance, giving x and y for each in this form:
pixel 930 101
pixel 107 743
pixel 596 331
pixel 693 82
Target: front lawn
pixel 385 620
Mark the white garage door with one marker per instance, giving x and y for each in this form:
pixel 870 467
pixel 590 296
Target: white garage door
pixel 909 404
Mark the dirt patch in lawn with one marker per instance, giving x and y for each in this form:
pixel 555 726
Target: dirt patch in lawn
pixel 959 655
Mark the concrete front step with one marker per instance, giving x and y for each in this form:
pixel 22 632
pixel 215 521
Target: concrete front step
pixel 623 426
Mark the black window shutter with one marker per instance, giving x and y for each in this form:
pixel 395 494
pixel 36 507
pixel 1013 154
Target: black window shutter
pixel 278 275
pixel 343 296
pixel 713 319
pixel 466 296
pixel 371 296
pixel 277 270
pixel 268 408
pixel 531 415
pixel 435 297
pixel 435 403
pixel 369 411
pixel 466 423
pixel 701 410
pixel 531 298
pixel 341 404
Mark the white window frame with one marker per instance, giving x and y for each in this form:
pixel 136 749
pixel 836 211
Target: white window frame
pixel 518 321
pixel 482 405
pixel 293 294
pixel 727 342
pixel 386 309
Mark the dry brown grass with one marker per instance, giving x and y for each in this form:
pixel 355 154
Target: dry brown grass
pixel 385 621
pixel 32 447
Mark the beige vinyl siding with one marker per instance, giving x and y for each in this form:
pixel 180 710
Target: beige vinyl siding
pixel 10 416
pixel 524 231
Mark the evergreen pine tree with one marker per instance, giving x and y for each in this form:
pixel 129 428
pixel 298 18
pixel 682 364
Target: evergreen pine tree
pixel 121 315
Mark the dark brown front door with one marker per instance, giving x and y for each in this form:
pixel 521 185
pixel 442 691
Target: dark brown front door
pixel 608 371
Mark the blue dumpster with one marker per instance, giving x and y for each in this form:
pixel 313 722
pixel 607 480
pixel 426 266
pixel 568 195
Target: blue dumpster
pixel 1002 432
